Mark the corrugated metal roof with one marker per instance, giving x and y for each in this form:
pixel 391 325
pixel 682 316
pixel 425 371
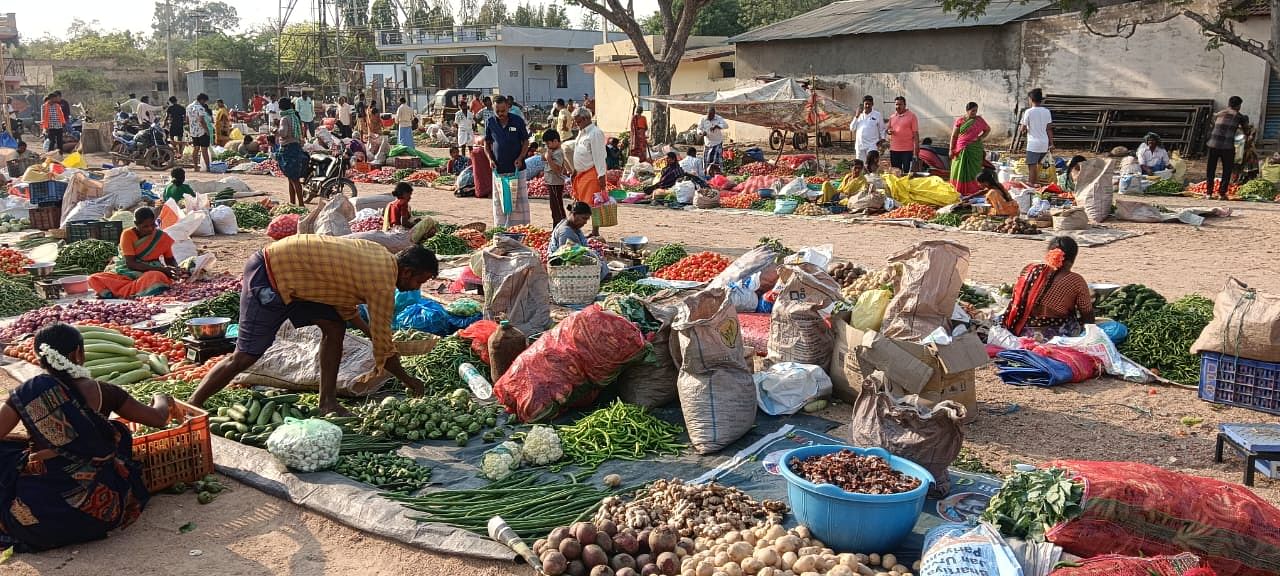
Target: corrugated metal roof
pixel 877 16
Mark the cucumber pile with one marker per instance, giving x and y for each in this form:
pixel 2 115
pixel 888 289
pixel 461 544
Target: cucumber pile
pixel 251 424
pixel 111 357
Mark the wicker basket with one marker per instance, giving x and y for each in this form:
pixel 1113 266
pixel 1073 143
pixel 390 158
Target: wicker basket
pixel 183 453
pixel 604 215
pixel 415 347
pixel 574 285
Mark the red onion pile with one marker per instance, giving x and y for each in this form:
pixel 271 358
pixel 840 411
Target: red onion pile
pixel 124 313
pixel 370 224
pixel 196 291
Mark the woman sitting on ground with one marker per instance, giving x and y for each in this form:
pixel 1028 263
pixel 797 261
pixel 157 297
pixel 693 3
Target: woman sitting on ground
pixel 142 265
pixel 998 199
pixel 1049 299
pixel 671 173
pixel 1068 178
pixel 74 479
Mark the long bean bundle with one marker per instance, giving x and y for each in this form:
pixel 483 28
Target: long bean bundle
pixel 355 443
pixel 530 506
pixel 622 431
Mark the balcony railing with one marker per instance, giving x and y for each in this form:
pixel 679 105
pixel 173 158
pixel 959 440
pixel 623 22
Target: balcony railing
pixel 454 35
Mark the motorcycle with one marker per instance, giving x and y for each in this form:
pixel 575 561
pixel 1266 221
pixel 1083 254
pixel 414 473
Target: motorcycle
pixel 326 176
pixel 149 146
pixel 252 119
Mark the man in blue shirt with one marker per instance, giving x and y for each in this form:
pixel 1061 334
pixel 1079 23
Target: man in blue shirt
pixel 506 143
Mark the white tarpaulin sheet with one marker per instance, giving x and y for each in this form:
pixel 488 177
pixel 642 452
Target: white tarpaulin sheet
pixel 783 104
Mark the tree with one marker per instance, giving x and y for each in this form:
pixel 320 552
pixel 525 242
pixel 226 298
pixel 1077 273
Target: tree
pixel 526 16
pixel 757 13
pixel 676 27
pixel 1217 21
pixel 189 16
pixel 492 13
pixel 469 10
pixel 253 54
pixel 382 16
pixel 589 21
pixel 555 16
pixel 84 41
pixel 720 18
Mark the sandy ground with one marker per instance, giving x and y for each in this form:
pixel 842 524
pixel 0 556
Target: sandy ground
pixel 246 532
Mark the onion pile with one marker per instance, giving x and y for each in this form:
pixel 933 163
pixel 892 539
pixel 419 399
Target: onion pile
pixel 124 313
pixel 195 291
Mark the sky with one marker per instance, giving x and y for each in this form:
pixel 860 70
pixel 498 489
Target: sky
pixel 34 20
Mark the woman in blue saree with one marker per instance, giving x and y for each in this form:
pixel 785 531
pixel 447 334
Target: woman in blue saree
pixel 74 479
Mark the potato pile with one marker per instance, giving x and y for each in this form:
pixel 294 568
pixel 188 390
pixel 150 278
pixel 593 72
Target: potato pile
pixel 887 276
pixel 774 551
pixel 980 223
pixel 845 273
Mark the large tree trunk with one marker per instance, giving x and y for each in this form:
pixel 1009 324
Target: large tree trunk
pixel 660 79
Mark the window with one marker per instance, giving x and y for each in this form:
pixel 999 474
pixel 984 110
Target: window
pixel 162 87
pixel 514 73
pixel 562 75
pixel 727 70
pixel 643 88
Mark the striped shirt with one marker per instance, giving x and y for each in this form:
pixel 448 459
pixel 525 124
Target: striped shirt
pixel 342 273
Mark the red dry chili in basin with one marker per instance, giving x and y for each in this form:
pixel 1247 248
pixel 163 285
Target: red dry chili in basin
pixel 854 473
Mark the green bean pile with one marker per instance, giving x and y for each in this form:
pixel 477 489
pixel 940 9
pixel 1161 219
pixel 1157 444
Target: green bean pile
pixel 532 508
pixel 438 369
pixel 355 443
pixel 622 431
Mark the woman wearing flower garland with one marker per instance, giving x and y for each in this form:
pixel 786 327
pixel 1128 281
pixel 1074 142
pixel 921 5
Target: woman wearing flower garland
pixel 74 478
pixel 1049 299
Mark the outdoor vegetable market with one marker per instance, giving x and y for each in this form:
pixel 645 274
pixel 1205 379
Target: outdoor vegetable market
pixel 772 402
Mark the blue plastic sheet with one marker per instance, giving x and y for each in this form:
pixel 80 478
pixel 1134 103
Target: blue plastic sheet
pixel 1024 368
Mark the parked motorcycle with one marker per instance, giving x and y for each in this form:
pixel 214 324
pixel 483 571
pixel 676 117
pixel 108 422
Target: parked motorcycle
pixel 252 119
pixel 327 175
pixel 150 146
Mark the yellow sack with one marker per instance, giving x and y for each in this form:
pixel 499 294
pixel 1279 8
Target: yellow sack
pixel 1048 171
pixel 1179 167
pixel 236 135
pixel 868 313
pixel 74 160
pixel 37 173
pixel 1270 172
pixel 930 190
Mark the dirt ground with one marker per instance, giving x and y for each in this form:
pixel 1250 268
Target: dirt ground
pixel 246 532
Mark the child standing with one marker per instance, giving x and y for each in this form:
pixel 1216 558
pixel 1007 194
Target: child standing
pixel 556 170
pixel 178 187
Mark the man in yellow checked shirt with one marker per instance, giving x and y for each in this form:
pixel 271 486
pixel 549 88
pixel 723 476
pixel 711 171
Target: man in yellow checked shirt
pixel 320 280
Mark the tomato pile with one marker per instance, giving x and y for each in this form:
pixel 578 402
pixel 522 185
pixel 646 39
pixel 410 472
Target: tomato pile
pixel 534 237
pixel 538 188
pixel 742 200
pixel 765 169
pixel 917 211
pixel 1200 188
pixel 815 180
pixel 376 176
pixel 12 261
pixel 474 239
pixel 700 267
pixel 422 176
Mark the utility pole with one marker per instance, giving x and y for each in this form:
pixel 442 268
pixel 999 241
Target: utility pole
pixel 171 67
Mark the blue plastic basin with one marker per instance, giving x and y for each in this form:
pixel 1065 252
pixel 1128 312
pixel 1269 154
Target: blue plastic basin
pixel 851 522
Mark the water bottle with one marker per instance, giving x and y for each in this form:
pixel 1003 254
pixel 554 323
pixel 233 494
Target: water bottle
pixel 480 385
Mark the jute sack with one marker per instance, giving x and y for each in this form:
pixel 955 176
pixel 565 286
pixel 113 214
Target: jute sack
pixel 932 273
pixel 797 330
pixel 717 394
pixel 652 383
pixel 1094 190
pixel 930 438
pixel 1246 323
pixel 516 287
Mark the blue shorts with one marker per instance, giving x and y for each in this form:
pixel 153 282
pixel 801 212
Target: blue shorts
pixel 1035 157
pixel 263 311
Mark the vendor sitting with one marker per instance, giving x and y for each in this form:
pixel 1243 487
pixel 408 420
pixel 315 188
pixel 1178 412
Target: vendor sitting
pixel 23 153
pixel 357 150
pixel 569 232
pixel 671 173
pixel 1068 178
pixel 533 164
pixel 614 159
pixel 1049 299
pixel 693 165
pixel 141 268
pixel 247 147
pixel 397 213
pixel 999 202
pixel 457 162
pixel 379 147
pixel 852 183
pixel 1152 157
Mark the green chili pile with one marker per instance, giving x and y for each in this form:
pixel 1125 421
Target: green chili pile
pixel 438 369
pixel 251 215
pixel 625 283
pixel 622 431
pixel 1161 339
pixel 89 256
pixel 17 296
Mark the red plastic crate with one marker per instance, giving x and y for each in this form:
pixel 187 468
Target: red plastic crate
pixel 183 453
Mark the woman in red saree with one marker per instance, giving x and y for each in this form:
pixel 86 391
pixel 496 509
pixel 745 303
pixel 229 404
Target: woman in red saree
pixel 640 135
pixel 141 268
pixel 1049 299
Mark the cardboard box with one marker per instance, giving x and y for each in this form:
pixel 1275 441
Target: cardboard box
pixel 933 372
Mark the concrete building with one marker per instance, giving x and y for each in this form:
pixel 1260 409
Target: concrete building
pixel 620 79
pixel 217 84
pixel 11 74
pixel 536 65
pixel 887 48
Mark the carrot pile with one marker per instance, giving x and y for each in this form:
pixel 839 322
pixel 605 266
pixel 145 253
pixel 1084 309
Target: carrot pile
pixel 917 211
pixel 193 372
pixel 473 239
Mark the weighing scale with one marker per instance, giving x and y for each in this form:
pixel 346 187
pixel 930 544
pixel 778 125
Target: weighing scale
pixel 200 351
pixel 49 289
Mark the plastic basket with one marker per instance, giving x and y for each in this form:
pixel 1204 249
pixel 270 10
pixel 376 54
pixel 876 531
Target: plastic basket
pixel 77 231
pixel 218 167
pixel 18 166
pixel 604 215
pixel 849 521
pixel 183 453
pixel 574 285
pixel 47 192
pixel 411 162
pixel 107 230
pixel 1252 384
pixel 46 217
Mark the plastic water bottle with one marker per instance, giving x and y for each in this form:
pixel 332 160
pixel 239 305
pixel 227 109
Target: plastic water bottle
pixel 480 385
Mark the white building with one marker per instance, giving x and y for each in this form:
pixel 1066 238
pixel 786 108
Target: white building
pixel 536 65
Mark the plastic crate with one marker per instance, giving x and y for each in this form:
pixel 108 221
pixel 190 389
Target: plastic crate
pixel 18 166
pixel 77 231
pixel 46 217
pixel 410 162
pixel 183 453
pixel 1235 381
pixel 107 230
pixel 47 192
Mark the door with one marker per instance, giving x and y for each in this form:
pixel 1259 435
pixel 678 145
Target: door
pixel 1271 112
pixel 448 76
pixel 539 92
